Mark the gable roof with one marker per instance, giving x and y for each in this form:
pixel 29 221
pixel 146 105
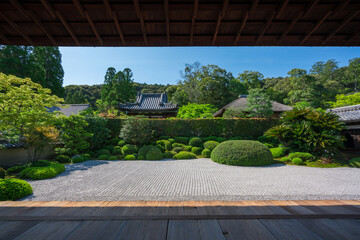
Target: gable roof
pixel 348 113
pixel 68 109
pixel 242 102
pixel 149 102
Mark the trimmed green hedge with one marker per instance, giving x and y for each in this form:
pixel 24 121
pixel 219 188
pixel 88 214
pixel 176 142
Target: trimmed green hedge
pixel 277 152
pixel 42 172
pixel 184 155
pixel 303 155
pixel 218 127
pixel 206 153
pixel 13 189
pixel 154 154
pixel 242 153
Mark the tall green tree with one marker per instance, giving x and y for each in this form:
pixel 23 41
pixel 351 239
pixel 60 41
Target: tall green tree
pixel 118 87
pixel 251 79
pixel 41 64
pixel 352 73
pixel 259 104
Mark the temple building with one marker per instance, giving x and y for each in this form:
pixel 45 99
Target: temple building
pixel 151 105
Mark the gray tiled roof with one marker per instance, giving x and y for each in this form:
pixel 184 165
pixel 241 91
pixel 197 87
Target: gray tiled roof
pixel 347 114
pixel 150 102
pixel 242 102
pixel 68 109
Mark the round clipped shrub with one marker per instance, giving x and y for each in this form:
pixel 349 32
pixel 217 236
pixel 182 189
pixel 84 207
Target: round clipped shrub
pixel 86 156
pixel 210 145
pixel 114 141
pixel 196 150
pixel 140 157
pixel 77 159
pixel 121 143
pixel 178 145
pixel 165 144
pixel 63 159
pixel 144 149
pixel 178 149
pixel 242 153
pixel 117 147
pixel 168 154
pixel 184 155
pixel 206 153
pixel 17 169
pixel 112 158
pixel 41 163
pixel 297 161
pixel 171 140
pixel 103 152
pixel 196 142
pixel 129 149
pixel 2 173
pixel 303 155
pixel 154 154
pixel 183 140
pixel 14 189
pixel 130 157
pixel 162 149
pixel 188 148
pixel 116 151
pixel 285 159
pixel 277 152
pixel 119 157
pixel 103 157
pixel 42 172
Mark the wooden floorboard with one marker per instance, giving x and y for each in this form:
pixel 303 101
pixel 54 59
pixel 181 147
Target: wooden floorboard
pixel 333 219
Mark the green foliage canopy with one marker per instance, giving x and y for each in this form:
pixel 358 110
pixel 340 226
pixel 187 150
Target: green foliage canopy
pixel 194 110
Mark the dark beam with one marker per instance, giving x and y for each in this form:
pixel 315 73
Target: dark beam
pixel 292 24
pixel 315 27
pixel 282 8
pixel 354 36
pixel 167 20
pixel 86 15
pixel 108 8
pixel 267 25
pixel 253 6
pixel 310 7
pixel 138 12
pixel 5 39
pixel 195 11
pixel 118 28
pixel 343 23
pixel 49 8
pixel 340 7
pixel 67 27
pixel 17 28
pixel 242 26
pixel 221 15
pixel 21 9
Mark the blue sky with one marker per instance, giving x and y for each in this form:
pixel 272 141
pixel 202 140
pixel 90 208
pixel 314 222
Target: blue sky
pixel 87 65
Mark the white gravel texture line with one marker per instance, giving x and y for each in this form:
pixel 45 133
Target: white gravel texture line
pixel 197 179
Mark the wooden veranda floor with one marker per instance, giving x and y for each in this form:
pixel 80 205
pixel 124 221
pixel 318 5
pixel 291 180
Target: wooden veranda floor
pixel 330 219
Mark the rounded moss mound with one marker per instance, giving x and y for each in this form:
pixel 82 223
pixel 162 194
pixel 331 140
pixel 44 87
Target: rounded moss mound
pixel 129 149
pixel 242 153
pixel 144 149
pixel 180 145
pixel 17 169
pixel 103 152
pixel 188 148
pixel 112 158
pixel 184 155
pixel 297 161
pixel 63 159
pixel 154 154
pixel 103 157
pixel 77 159
pixel 116 151
pixel 167 154
pixel 196 150
pixel 303 155
pixel 130 157
pixel 178 149
pixel 165 144
pixel 121 143
pixel 210 145
pixel 277 152
pixel 206 153
pixel 42 172
pixel 196 142
pixel 13 189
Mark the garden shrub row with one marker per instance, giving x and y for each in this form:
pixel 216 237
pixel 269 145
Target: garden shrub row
pixel 42 170
pixel 219 127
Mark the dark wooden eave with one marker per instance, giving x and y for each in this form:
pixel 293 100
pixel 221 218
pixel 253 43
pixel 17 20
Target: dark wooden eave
pixel 180 23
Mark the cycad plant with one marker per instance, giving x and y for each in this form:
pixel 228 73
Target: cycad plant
pixel 309 130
